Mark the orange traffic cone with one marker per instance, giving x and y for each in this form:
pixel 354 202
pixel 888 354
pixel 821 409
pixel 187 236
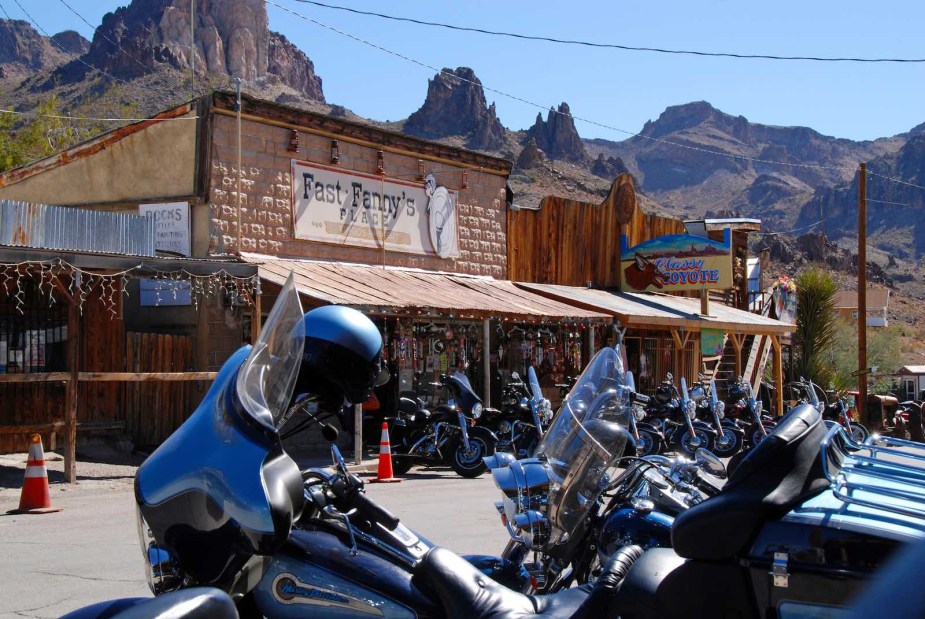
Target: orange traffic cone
pixel 385 475
pixel 35 498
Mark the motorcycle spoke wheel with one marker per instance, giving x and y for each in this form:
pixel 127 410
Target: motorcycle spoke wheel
pixel 858 432
pixel 688 446
pixel 647 445
pixel 731 446
pixel 468 463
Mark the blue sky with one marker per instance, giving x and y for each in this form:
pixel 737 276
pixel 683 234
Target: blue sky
pixel 618 89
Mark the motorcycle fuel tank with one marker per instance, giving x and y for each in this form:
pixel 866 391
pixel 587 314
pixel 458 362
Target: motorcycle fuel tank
pixel 316 576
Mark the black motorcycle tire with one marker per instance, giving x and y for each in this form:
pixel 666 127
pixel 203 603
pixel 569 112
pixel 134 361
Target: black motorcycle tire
pixel 648 444
pixel 858 433
pixel 733 447
pixel 683 437
pixel 401 464
pixel 469 464
pixel 755 436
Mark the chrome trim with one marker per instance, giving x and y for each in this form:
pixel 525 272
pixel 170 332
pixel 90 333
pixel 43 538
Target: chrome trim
pixel 464 429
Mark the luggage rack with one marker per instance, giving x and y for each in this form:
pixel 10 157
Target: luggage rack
pixel 845 455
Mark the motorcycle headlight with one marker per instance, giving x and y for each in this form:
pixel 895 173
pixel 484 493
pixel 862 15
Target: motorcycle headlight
pixel 720 409
pixel 691 409
pixel 640 414
pixel 163 571
pixel 476 410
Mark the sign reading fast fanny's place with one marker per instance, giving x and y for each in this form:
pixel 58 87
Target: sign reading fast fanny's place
pixel 332 205
pixel 677 262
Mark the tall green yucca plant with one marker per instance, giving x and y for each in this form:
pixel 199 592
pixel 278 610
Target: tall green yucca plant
pixel 816 326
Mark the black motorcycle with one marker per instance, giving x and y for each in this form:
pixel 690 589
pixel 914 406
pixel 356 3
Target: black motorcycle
pixel 446 435
pixel 674 414
pixel 729 436
pixel 522 418
pixel 748 413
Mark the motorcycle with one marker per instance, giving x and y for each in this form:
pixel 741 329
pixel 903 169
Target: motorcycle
pixel 446 435
pixel 674 415
pixel 834 414
pixel 524 413
pixel 747 412
pixel 221 504
pixel 729 436
pixel 801 525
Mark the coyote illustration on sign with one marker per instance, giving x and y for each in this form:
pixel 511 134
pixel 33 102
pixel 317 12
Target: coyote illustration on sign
pixel 643 273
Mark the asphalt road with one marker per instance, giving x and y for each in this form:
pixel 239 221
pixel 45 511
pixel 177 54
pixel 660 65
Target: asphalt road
pixel 54 563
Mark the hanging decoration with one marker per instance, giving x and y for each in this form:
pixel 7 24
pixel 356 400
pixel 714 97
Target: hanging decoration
pixel 79 283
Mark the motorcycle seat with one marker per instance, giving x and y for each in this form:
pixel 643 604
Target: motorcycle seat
pixel 194 603
pixel 782 471
pixel 466 593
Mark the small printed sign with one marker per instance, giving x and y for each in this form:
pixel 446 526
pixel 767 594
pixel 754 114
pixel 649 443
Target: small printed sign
pixel 171 226
pixel 677 262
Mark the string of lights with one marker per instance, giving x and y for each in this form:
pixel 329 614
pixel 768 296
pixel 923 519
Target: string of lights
pixel 58 45
pixel 658 50
pixel 57 274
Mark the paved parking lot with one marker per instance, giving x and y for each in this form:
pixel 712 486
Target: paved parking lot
pixel 51 564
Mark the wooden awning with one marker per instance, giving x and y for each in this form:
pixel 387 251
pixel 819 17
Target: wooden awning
pixel 661 311
pixel 399 291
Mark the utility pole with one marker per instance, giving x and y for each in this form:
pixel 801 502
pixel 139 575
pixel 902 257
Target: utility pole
pixel 192 48
pixel 862 292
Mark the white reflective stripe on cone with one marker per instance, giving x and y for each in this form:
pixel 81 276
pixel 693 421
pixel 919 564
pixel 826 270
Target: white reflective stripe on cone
pixel 384 449
pixel 384 437
pixel 35 452
pixel 36 471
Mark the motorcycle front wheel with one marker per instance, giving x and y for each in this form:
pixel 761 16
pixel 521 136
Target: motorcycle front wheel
pixel 728 444
pixel 468 462
pixel 689 445
pixel 857 432
pixel 648 444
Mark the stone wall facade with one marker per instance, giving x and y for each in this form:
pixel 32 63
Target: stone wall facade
pixel 266 199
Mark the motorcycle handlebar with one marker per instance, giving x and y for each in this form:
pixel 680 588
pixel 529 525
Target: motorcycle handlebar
pixel 642 399
pixel 374 511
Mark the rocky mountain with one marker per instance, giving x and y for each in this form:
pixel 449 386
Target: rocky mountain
pixel 695 159
pixel 230 39
pixel 557 136
pixel 23 51
pixel 895 210
pixel 456 106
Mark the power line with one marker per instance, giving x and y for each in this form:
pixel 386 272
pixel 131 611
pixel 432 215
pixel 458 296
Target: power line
pixel 78 58
pixel 95 119
pixel 895 180
pixel 892 203
pixel 543 107
pixel 96 29
pixel 630 48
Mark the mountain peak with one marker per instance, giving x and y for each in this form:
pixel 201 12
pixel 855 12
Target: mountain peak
pixel 557 136
pixel 456 106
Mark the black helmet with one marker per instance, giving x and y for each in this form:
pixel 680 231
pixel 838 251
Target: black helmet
pixel 342 357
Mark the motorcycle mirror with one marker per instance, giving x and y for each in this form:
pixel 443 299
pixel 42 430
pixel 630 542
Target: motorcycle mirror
pixel 710 463
pixel 329 432
pixel 669 377
pixel 630 381
pixel 383 377
pixel 515 377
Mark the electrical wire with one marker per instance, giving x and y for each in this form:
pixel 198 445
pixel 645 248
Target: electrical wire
pixel 58 45
pixel 630 48
pixel 892 203
pixel 96 29
pixel 554 111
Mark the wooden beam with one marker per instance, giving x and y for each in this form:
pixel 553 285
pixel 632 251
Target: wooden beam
pixel 44 377
pixel 40 428
pixel 256 317
pixel 143 377
pixel 778 374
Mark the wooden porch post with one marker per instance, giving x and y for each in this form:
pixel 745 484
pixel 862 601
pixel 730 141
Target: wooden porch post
pixel 738 340
pixel 486 362
pixel 679 344
pixel 70 413
pixel 778 374
pixel 256 316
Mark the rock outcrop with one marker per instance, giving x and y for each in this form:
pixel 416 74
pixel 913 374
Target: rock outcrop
pixel 456 106
pixel 557 136
pixel 531 156
pixel 23 51
pixel 229 38
pixel 610 168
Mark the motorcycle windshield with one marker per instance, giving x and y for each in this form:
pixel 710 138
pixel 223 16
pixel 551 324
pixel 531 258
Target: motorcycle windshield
pixel 535 389
pixel 585 441
pixel 268 376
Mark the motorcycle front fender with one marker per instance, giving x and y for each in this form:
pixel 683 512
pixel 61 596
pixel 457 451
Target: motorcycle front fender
pixel 729 423
pixel 484 433
pixel 706 427
pixel 650 428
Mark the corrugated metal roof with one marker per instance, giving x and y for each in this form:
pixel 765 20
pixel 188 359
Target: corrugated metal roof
pixel 661 310
pixel 71 229
pixel 390 289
